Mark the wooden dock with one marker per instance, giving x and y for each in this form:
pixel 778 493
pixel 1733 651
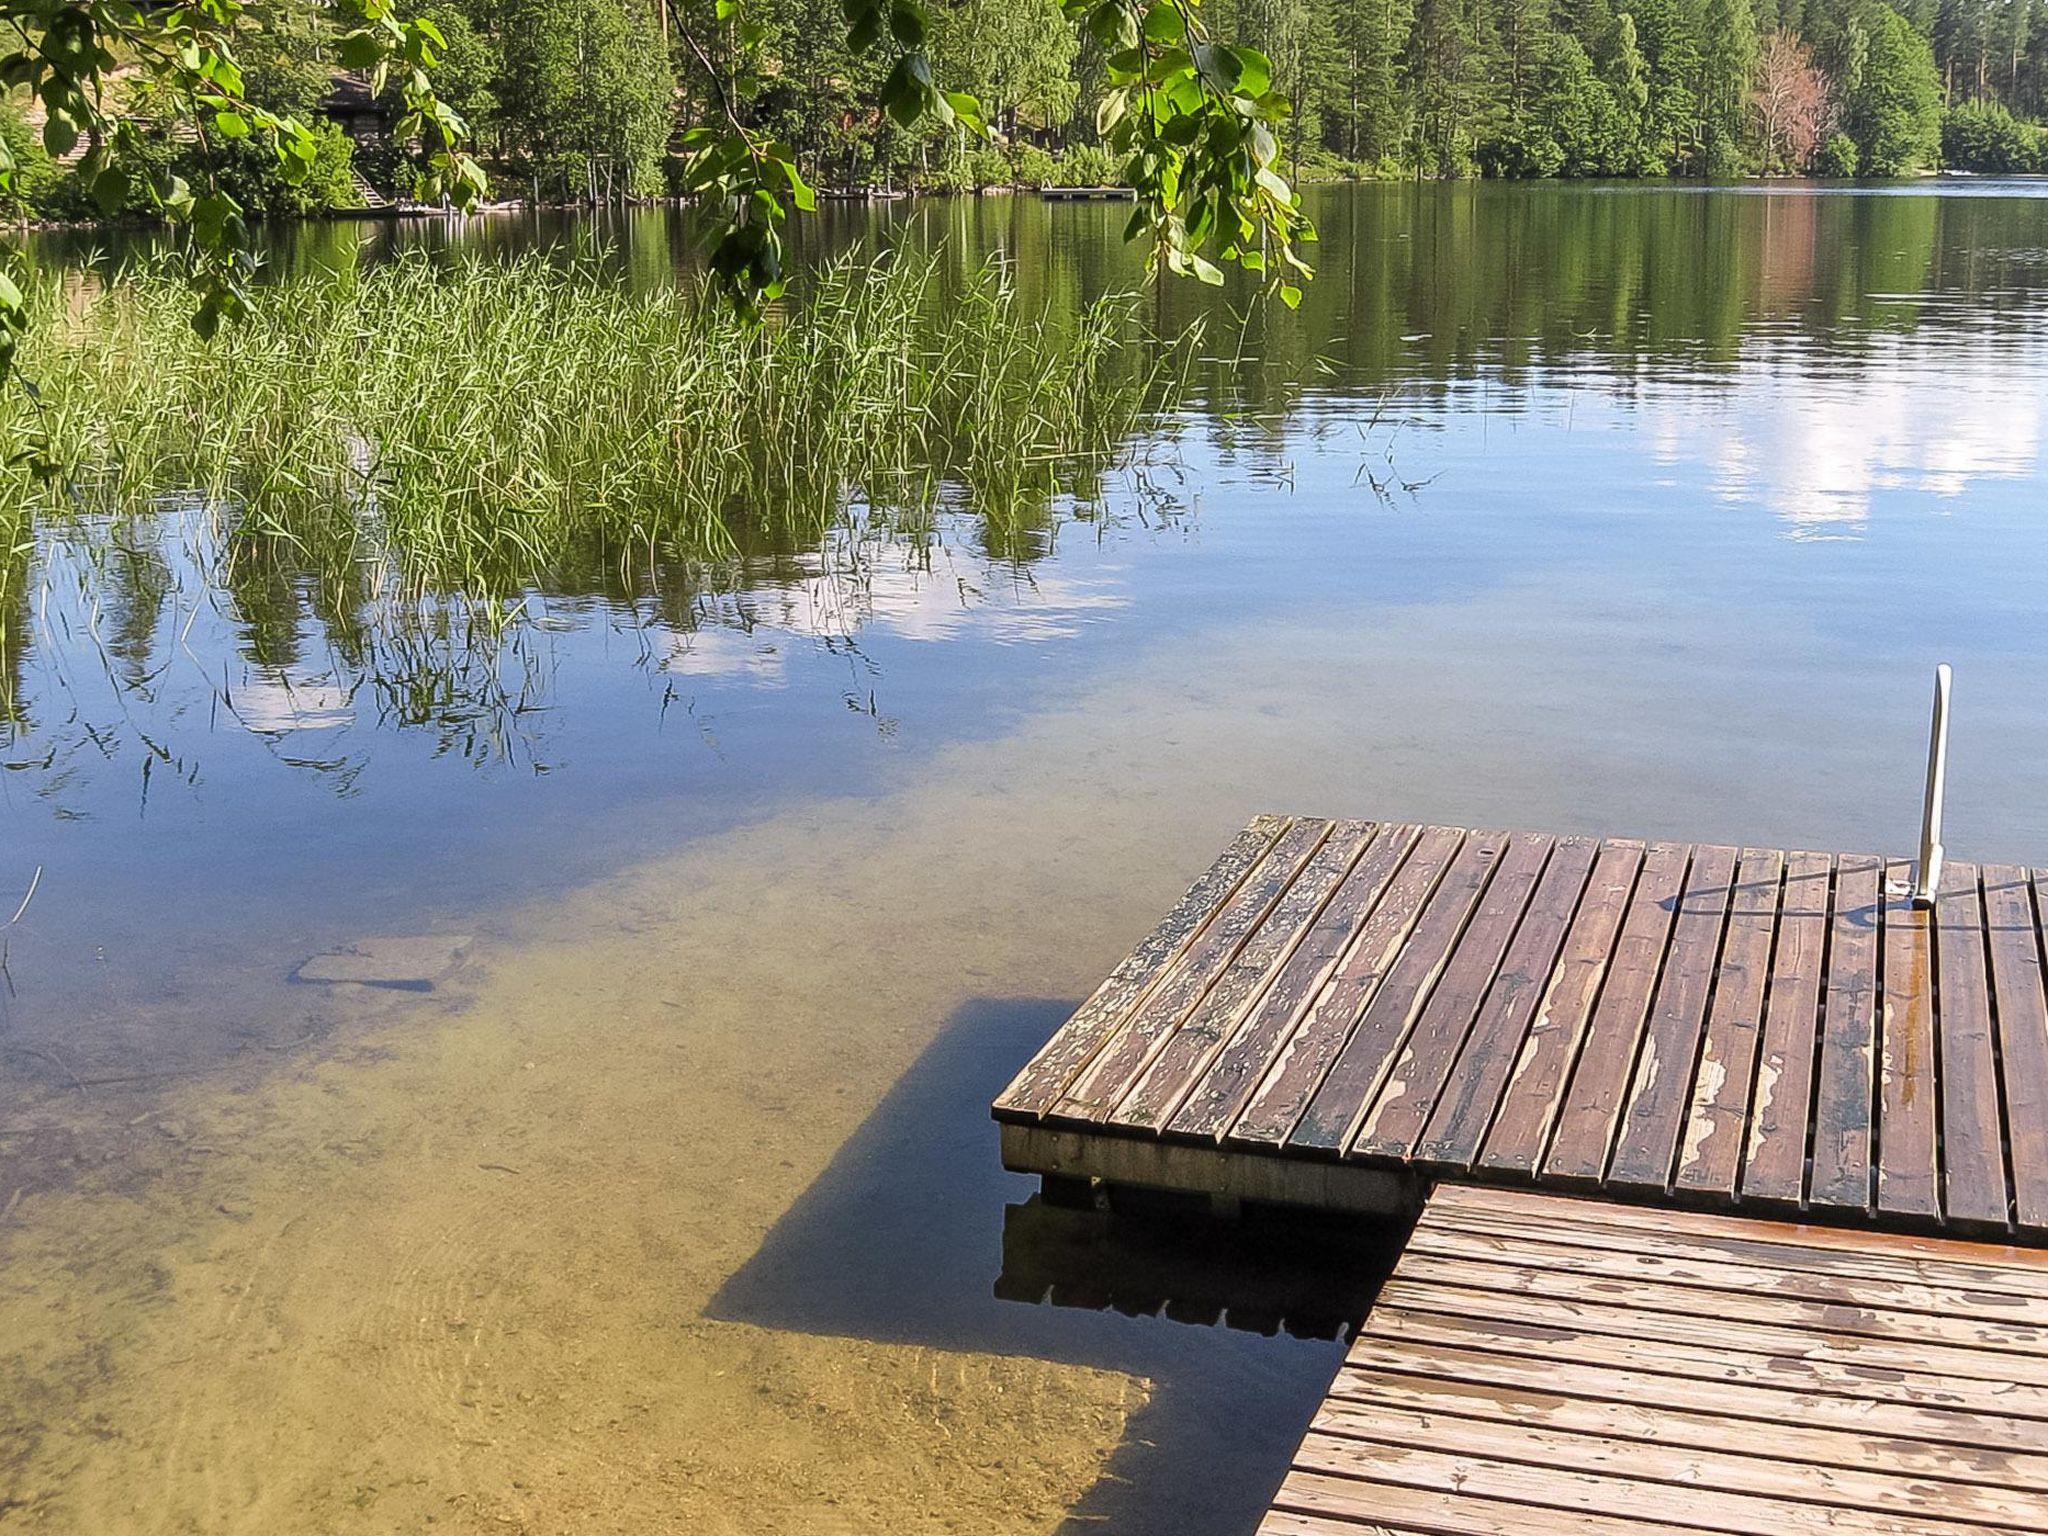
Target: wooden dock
pixel 1342 1013
pixel 1540 1364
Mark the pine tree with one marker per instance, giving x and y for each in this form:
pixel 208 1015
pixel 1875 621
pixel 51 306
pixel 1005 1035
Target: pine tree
pixel 1727 63
pixel 1894 114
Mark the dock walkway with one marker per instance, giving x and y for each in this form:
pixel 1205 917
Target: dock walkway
pixel 1342 1013
pixel 1542 1364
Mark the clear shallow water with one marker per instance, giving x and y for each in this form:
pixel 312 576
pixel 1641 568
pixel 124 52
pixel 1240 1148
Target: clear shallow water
pixel 1621 510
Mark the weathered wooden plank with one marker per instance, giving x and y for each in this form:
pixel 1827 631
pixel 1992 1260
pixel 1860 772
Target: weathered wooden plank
pixel 1952 1310
pixel 1844 1097
pixel 1592 1106
pixel 1315 1043
pixel 1311 1504
pixel 1647 1145
pixel 1046 1076
pixel 1223 1090
pixel 1710 1156
pixel 1972 1142
pixel 1466 1105
pixel 1547 1485
pixel 2001 1449
pixel 1119 1062
pixel 1820 1496
pixel 1819 1303
pixel 1395 1121
pixel 1642 1408
pixel 1534 1088
pixel 1714 1362
pixel 1774 1161
pixel 1909 1162
pixel 1987 1265
pixel 2022 1034
pixel 1178 1063
pixel 1911 1371
pixel 1362 1065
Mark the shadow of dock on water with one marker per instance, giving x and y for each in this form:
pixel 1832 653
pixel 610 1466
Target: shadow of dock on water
pixel 915 1234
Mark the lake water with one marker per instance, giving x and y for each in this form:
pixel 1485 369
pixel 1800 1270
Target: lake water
pixel 675 1205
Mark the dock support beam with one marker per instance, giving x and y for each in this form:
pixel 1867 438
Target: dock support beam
pixel 1937 783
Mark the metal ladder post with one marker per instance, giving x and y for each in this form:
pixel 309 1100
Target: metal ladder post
pixel 1937 783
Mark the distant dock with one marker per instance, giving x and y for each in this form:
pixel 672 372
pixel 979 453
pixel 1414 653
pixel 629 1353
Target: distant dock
pixel 1080 194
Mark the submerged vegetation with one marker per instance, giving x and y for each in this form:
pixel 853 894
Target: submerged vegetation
pixel 426 432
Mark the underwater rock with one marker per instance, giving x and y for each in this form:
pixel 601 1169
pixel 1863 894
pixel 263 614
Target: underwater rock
pixel 411 961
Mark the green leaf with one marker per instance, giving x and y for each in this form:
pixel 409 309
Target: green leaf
pixel 60 135
pixel 1254 71
pixel 1110 25
pixel 110 190
pixel 800 191
pixel 231 125
pixel 359 50
pixel 1164 23
pixel 907 24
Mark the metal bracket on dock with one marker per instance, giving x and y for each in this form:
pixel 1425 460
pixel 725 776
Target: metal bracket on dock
pixel 1937 783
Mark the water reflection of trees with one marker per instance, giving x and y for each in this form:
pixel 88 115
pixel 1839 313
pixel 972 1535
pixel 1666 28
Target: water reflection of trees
pixel 1421 291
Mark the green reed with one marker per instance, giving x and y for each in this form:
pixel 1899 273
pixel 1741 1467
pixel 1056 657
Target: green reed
pixel 477 424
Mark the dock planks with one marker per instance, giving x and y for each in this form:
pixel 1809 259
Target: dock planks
pixel 1660 1022
pixel 1542 1363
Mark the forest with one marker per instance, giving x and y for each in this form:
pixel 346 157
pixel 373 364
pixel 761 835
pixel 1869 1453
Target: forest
pixel 588 100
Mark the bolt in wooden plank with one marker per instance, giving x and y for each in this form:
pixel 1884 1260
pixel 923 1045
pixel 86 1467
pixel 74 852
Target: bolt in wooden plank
pixel 2022 1034
pixel 1046 1076
pixel 1908 1157
pixel 1119 1062
pixel 1710 1156
pixel 1526 979
pixel 1972 1142
pixel 1362 1065
pixel 1303 1061
pixel 1774 1164
pixel 1234 1076
pixel 1648 1142
pixel 1178 1063
pixel 1592 1106
pixel 1534 1085
pixel 1397 1117
pixel 1844 1094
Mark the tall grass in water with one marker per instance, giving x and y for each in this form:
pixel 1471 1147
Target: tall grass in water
pixel 467 430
